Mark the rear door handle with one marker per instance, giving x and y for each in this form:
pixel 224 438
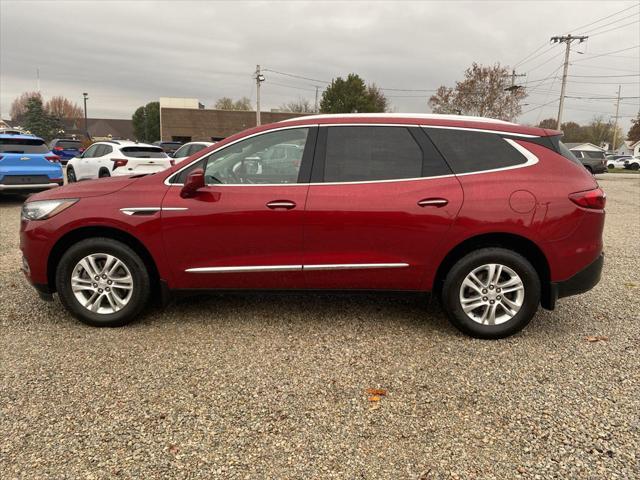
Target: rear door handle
pixel 433 202
pixel 284 204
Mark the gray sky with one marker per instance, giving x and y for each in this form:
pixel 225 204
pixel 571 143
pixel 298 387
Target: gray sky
pixel 126 53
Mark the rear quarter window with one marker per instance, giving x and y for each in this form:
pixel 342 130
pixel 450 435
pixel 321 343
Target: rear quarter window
pixel 469 151
pixel 68 144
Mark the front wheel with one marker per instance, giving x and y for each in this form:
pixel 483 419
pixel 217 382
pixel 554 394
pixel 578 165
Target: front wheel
pixel 491 293
pixel 102 282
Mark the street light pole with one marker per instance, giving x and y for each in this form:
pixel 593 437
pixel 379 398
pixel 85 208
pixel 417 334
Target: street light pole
pixel 86 127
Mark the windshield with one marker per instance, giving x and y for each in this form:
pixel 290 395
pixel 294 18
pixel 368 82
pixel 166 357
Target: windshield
pixel 143 152
pixel 23 145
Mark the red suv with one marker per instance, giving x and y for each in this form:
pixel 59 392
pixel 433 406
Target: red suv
pixel 494 217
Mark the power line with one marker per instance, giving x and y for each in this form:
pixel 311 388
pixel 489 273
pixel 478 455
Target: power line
pixel 592 56
pixel 604 18
pixel 295 75
pixel 605 76
pixel 616 28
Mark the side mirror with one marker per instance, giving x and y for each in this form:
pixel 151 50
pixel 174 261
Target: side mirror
pixel 193 183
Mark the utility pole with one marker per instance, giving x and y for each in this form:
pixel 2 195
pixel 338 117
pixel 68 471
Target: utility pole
pixel 513 77
pixel 615 124
pixel 315 109
pixel 566 39
pixel 38 78
pixel 259 80
pixel 86 128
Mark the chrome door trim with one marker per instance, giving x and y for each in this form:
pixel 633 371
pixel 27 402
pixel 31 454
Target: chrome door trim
pixel 294 268
pixel 251 268
pixel 436 202
pixel 352 266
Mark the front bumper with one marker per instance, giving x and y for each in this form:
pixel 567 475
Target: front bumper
pixel 31 187
pixel 581 282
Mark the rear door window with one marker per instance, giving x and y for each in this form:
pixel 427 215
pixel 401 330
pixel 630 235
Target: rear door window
pixel 370 153
pixel 23 145
pixel 469 151
pixel 143 152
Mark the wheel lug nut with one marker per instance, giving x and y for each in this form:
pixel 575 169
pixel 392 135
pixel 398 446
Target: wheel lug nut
pixel 490 287
pixel 97 278
pixel 484 290
pixel 498 297
pixel 95 285
pixel 498 290
pixel 104 276
pixel 99 290
pixel 484 299
pixel 109 282
pixel 108 289
pixel 492 302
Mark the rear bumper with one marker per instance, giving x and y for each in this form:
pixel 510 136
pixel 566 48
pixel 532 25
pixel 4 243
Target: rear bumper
pixel 581 282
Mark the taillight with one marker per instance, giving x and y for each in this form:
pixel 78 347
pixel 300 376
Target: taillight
pixel 53 158
pixel 592 199
pixel 81 149
pixel 172 162
pixel 58 149
pixel 119 162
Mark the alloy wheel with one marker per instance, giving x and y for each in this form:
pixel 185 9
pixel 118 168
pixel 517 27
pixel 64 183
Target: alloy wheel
pixel 492 294
pixel 102 283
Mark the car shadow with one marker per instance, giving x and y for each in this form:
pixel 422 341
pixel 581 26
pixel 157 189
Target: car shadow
pixel 312 309
pixel 8 200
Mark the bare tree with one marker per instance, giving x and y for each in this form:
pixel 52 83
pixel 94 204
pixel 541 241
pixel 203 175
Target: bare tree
pixel 226 103
pixel 19 105
pixel 482 92
pixel 301 105
pixel 61 107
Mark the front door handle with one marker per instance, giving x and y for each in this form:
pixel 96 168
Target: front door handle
pixel 281 204
pixel 433 202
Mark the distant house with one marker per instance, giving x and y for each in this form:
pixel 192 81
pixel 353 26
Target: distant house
pixel 586 150
pixel 99 128
pixel 629 148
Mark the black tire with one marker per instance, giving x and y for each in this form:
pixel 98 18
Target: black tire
pixel 635 166
pixel 611 166
pixel 453 282
pixel 140 278
pixel 104 173
pixel 71 175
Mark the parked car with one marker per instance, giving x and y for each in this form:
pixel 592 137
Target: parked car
pixel 189 149
pixel 594 162
pixel 66 148
pixel 169 147
pixel 617 161
pixel 495 218
pixel 117 157
pixel 27 164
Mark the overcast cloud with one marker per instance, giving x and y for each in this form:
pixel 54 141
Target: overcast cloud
pixel 127 53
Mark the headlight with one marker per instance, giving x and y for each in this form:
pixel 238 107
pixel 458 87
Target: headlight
pixel 43 209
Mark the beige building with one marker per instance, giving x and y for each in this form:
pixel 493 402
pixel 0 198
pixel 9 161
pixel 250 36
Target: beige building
pixel 191 122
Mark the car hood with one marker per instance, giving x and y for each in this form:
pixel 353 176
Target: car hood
pixel 87 188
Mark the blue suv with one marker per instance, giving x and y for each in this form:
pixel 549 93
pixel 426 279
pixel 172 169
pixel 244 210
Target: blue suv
pixel 66 148
pixel 27 164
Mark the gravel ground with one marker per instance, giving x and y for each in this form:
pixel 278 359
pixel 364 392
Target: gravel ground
pixel 269 386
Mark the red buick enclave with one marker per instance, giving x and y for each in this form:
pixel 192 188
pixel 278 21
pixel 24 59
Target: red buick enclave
pixel 494 217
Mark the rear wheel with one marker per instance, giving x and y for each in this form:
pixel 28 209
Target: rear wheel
pixel 611 166
pixel 634 166
pixel 71 175
pixel 103 173
pixel 491 293
pixel 102 282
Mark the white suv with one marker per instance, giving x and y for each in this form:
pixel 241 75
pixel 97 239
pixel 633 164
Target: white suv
pixel 117 157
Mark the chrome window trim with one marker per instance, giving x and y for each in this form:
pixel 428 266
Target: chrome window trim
pixel 531 158
pixel 294 268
